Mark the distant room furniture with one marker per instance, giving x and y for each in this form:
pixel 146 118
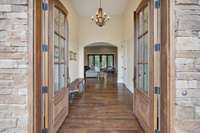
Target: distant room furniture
pixel 76 87
pixel 86 68
pixel 91 73
pixel 110 69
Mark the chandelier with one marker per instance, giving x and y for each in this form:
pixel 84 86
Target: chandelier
pixel 101 17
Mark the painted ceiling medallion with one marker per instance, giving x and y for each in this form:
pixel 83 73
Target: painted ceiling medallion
pixel 101 17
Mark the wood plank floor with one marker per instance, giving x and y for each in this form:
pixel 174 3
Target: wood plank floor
pixel 104 107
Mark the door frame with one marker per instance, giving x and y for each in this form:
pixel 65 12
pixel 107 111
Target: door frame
pixel 167 56
pixel 36 68
pixel 167 53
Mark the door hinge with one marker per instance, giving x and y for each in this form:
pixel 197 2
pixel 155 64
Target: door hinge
pixel 45 130
pixel 44 89
pixel 157 131
pixel 157 47
pixel 157 3
pixel 157 90
pixel 45 6
pixel 44 48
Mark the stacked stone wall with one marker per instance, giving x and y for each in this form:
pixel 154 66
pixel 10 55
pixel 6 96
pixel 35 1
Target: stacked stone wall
pixel 13 66
pixel 187 43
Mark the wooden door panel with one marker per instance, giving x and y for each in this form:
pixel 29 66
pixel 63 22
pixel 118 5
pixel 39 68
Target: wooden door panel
pixel 58 65
pixel 144 66
pixel 143 111
pixel 60 109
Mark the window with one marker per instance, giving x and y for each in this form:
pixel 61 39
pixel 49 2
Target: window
pixel 142 49
pixel 110 61
pixel 59 50
pixel 101 61
pixel 91 61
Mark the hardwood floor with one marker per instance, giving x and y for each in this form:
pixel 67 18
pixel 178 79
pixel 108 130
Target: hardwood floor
pixel 104 107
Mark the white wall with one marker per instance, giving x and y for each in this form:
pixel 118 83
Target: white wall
pixel 73 20
pixel 90 33
pixel 119 31
pixel 128 41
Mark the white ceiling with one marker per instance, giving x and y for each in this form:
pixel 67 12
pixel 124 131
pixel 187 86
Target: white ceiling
pixel 89 7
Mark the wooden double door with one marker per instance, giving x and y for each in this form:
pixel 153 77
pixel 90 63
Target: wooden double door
pixel 51 65
pixel 147 66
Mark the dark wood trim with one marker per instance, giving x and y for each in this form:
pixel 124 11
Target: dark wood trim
pixel 60 6
pixel 141 6
pixel 37 66
pixel 167 71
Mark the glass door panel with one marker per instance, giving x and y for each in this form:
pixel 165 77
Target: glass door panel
pixel 110 60
pixel 56 77
pixel 62 76
pixel 59 50
pixel 142 58
pixel 97 61
pixel 103 62
pixel 62 24
pixel 91 60
pixel 56 20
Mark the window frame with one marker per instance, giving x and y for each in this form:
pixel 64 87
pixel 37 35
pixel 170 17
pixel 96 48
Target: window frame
pixel 138 36
pixel 64 37
pixel 93 55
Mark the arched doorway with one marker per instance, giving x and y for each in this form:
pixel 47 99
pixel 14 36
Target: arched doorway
pixel 100 58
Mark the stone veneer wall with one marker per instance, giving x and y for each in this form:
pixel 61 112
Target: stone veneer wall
pixel 13 66
pixel 187 42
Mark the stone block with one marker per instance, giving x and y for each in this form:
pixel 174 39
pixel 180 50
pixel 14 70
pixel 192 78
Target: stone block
pixel 187 2
pixel 19 8
pixel 23 92
pixel 7 123
pixel 187 68
pixel 14 2
pixel 187 43
pixel 185 101
pixel 13 49
pixel 197 112
pixel 187 54
pixel 188 126
pixel 187 84
pixel 188 75
pixel 12 99
pixel 5 91
pixel 13 64
pixel 186 33
pixel 5 8
pixel 182 10
pixel 190 93
pixel 184 61
pixel 4 35
pixel 188 22
pixel 184 113
pixel 13 15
